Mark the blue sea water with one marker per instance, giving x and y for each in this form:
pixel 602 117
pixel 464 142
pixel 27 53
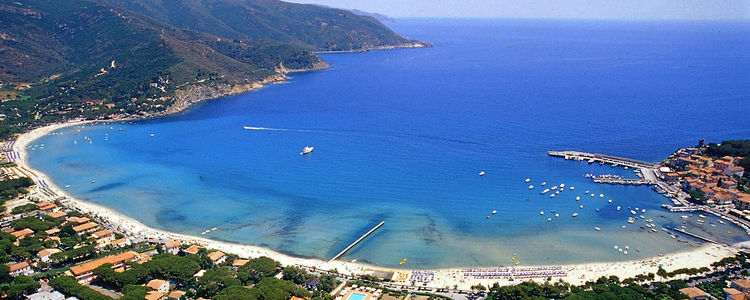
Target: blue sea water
pixel 401 135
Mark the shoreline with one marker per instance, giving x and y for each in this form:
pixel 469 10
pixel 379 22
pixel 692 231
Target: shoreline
pixel 576 274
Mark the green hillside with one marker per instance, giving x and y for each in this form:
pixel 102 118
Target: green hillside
pixel 101 59
pixel 310 26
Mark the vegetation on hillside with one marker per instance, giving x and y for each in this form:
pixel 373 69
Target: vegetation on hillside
pixel 309 26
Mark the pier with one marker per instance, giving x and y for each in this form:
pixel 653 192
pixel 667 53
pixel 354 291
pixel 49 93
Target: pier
pixel 602 158
pixel 695 236
pixel 614 179
pixel 357 241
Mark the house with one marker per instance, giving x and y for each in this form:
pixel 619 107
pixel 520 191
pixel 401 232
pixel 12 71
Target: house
pixel 120 242
pixel 172 247
pixel 722 165
pixel 103 237
pixel 45 205
pixel 57 215
pixel 78 220
pixel 742 202
pixel 311 284
pixel 22 268
pixel 158 285
pixel 192 249
pixel 707 192
pixel 239 263
pixel 729 184
pixel 51 231
pixel 154 296
pixel 20 234
pixel 45 254
pixel 84 272
pixel 694 293
pixel 733 294
pixel 86 227
pixel 175 295
pixel 671 177
pixel 217 257
pixel 43 295
pixel 735 171
pixel 722 198
pixel 742 285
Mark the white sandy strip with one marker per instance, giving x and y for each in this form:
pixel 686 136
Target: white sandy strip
pixel 577 274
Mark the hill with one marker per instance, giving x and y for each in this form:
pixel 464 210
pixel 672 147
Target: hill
pixel 310 26
pixel 99 59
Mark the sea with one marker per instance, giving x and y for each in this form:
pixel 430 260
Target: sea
pixel 401 135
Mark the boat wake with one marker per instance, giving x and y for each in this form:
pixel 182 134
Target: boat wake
pixel 264 128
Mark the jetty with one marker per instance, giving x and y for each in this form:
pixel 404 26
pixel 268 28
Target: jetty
pixel 602 158
pixel 695 236
pixel 357 241
pixel 614 179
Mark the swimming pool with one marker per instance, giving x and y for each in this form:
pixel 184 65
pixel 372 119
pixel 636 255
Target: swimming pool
pixel 356 296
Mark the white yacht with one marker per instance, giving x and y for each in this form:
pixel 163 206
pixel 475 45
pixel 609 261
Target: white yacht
pixel 309 149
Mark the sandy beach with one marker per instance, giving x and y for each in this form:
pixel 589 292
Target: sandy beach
pixel 439 278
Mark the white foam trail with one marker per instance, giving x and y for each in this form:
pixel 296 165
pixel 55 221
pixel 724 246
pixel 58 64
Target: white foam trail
pixel 264 128
pixel 274 129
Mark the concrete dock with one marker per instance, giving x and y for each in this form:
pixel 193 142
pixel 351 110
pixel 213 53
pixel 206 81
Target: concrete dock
pixel 357 241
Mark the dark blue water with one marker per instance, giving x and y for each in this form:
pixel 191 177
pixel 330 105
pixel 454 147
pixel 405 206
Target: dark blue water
pixel 401 135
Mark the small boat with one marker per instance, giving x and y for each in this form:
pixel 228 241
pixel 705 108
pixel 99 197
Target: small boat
pixel 618 208
pixel 527 179
pixel 721 222
pixel 541 212
pixel 633 212
pixel 592 195
pixel 575 214
pixel 572 188
pixel 93 181
pixel 152 134
pixel 531 186
pixel 549 219
pixel 309 149
pixel 552 195
pixel 544 183
pixel 702 216
pixel 581 206
pixel 578 198
pixel 554 187
pixel 557 215
pixel 494 212
pixel 67 186
pixel 586 192
pixel 597 210
pixel 609 201
pixel 481 173
pixel 597 229
pixel 562 185
pixel 631 220
pixel 545 191
pixel 601 195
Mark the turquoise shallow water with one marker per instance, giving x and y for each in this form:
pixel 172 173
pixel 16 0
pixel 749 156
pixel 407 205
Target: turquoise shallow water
pixel 400 136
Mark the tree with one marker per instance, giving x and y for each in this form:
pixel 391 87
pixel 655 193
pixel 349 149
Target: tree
pixel 134 292
pixel 215 280
pixel 20 286
pixel 256 269
pixel 294 274
pixel 662 273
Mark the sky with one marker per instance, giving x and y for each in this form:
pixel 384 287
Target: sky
pixel 558 9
